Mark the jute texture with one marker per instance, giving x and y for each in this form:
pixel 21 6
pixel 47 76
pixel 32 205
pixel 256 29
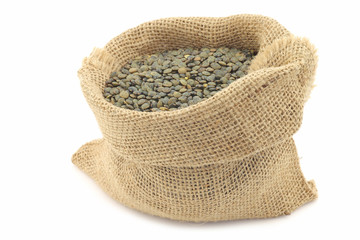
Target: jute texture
pixel 231 156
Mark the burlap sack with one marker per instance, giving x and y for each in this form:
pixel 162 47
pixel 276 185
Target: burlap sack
pixel 228 157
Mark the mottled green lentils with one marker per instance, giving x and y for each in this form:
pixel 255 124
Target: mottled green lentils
pixel 175 79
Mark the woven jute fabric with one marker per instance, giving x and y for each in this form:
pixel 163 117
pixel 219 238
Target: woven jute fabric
pixel 231 156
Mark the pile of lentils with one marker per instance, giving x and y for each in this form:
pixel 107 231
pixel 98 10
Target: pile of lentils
pixel 175 79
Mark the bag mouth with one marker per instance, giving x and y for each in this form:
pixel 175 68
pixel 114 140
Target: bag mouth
pixel 115 53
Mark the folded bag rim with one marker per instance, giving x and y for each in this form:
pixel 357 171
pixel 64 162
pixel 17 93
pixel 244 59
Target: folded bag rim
pixel 103 63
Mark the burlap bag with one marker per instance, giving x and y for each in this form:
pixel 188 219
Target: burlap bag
pixel 228 157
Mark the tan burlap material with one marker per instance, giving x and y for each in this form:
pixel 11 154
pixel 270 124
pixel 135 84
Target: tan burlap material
pixel 231 156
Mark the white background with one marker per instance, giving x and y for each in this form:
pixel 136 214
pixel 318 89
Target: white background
pixel 45 119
